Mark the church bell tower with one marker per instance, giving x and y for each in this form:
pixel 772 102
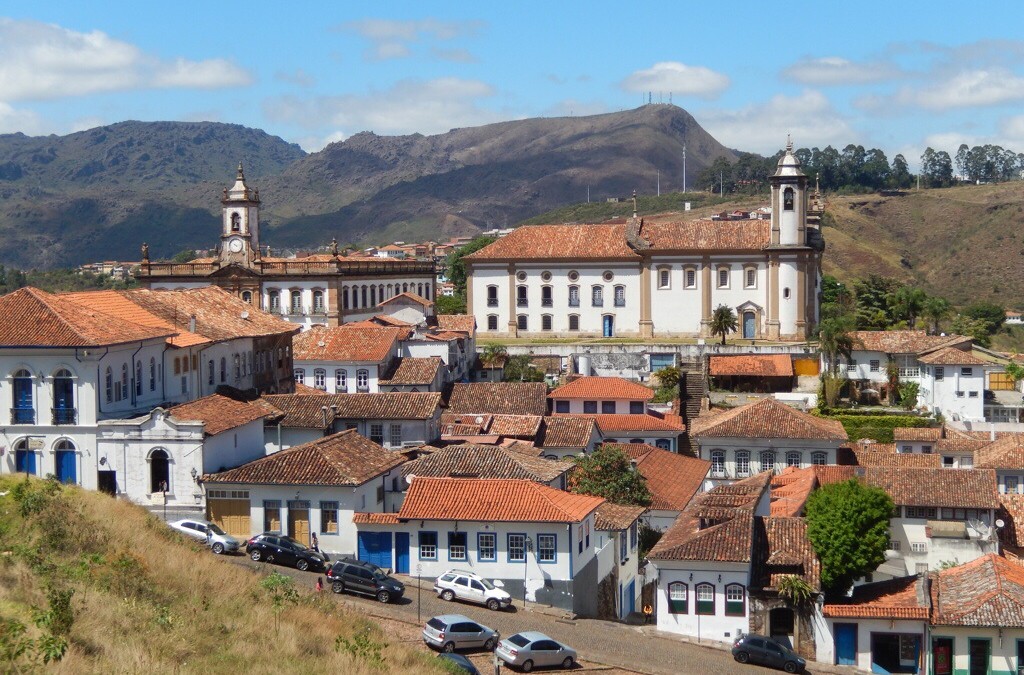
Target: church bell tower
pixel 240 227
pixel 789 201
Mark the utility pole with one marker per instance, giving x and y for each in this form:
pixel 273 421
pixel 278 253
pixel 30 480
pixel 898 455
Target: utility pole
pixel 588 194
pixel 684 167
pixel 659 182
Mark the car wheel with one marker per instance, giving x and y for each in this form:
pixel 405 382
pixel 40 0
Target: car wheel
pixel 256 555
pixel 447 596
pixel 568 663
pixel 742 657
pixel 527 666
pixel 490 644
pixel 218 548
pixel 302 565
pixel 448 647
pixel 790 667
pixel 493 605
pixel 338 587
pixel 383 596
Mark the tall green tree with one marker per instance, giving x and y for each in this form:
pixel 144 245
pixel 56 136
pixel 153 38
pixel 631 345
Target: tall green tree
pixel 608 473
pixel 848 525
pixel 899 173
pixel 935 309
pixel 835 339
pixel 905 303
pixel 723 321
pixel 989 312
pixel 456 267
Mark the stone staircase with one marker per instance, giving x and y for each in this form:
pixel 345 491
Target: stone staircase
pixel 693 393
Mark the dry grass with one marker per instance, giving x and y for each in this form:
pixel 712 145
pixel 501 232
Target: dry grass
pixel 147 601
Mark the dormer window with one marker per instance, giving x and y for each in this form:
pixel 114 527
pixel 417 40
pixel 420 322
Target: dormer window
pixel 787 199
pixel 236 222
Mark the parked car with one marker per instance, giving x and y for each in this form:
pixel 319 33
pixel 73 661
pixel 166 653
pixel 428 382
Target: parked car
pixel 767 652
pixel 449 632
pixel 220 541
pixel 530 649
pixel 472 588
pixel 282 550
pixel 357 576
pixel 460 662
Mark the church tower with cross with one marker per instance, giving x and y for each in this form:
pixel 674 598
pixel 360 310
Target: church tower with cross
pixel 240 227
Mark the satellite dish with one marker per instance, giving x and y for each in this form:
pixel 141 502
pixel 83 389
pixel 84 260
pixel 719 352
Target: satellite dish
pixel 479 419
pixel 1000 522
pixel 408 479
pixel 245 314
pixel 321 344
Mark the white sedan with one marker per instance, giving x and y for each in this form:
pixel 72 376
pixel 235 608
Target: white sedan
pixel 220 541
pixel 529 649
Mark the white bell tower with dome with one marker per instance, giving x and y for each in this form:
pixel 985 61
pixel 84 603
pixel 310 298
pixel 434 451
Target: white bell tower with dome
pixel 789 201
pixel 240 227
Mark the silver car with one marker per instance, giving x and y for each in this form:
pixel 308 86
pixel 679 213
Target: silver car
pixel 530 649
pixel 449 632
pixel 472 588
pixel 220 541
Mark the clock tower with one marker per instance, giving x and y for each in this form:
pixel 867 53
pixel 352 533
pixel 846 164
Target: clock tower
pixel 240 229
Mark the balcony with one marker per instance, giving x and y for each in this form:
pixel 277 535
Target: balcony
pixel 363 390
pixel 23 416
pixel 909 373
pixel 597 302
pixel 546 302
pixel 620 302
pixel 522 302
pixel 574 302
pixel 492 302
pixel 65 416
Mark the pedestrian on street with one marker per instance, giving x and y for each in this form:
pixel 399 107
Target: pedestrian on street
pixel 648 611
pixel 209 538
pixel 315 542
pixel 319 584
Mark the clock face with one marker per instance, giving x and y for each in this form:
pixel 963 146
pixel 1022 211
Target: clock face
pixel 235 245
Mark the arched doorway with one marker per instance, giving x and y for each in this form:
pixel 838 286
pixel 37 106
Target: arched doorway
pixel 24 458
pixel 24 411
pixel 608 325
pixel 781 623
pixel 66 461
pixel 749 325
pixel 159 471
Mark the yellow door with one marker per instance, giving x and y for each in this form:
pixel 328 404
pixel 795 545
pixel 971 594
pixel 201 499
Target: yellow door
pixel 298 525
pixel 1000 382
pixel 232 515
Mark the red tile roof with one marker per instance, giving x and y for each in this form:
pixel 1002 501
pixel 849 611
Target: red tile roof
pixel 567 432
pixel 917 433
pixel 559 242
pixel 988 591
pixel 306 390
pixel 500 398
pixel 218 413
pixel 345 458
pixel 35 318
pixel 307 412
pixel 1011 510
pixel 485 461
pixel 790 490
pixel 753 365
pixel 767 418
pixel 462 323
pixel 116 303
pixel 408 371
pixel 899 598
pixel 1003 453
pixel 672 479
pixel 904 341
pixel 493 500
pixel 375 518
pixel 949 356
pixel 517 426
pixel 612 424
pixel 417 299
pixel 346 343
pixel 704 235
pixel 951 488
pixel 616 517
pixel 783 549
pixel 885 455
pixel 605 388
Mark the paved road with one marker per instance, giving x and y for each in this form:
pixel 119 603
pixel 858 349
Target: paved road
pixel 629 648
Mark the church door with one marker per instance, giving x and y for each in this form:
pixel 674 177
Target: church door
pixel 748 326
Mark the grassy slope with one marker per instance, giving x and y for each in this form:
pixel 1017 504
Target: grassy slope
pixel 146 600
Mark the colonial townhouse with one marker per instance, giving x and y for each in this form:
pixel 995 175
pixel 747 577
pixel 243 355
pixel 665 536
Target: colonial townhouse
pixel 499 398
pixel 564 436
pixel 540 543
pixel 1006 456
pixel 941 516
pixel 617 527
pixel 672 479
pixel 953 384
pixel 311 488
pixel 657 276
pixel 662 430
pixel 317 289
pixel 395 421
pixel 601 395
pixel 764 436
pixel 874 349
pixel 346 359
pixel 155 459
pixel 487 461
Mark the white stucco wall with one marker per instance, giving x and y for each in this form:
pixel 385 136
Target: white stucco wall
pixel 717 627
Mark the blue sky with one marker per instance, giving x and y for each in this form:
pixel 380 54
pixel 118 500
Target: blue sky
pixel 899 76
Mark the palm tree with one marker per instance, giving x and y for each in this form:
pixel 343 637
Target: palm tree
pixel 723 321
pixel 935 310
pixel 493 355
pixel 835 340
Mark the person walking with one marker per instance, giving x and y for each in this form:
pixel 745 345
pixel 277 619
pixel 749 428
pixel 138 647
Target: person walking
pixel 319 584
pixel 315 543
pixel 209 538
pixel 648 612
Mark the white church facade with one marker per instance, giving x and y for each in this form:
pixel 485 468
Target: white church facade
pixel 657 276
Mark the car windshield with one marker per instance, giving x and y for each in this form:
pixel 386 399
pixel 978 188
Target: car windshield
pixel 216 530
pixel 379 576
pixel 437 624
pixel 294 543
pixel 518 640
pixel 487 584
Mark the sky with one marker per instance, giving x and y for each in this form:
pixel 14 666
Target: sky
pixel 897 76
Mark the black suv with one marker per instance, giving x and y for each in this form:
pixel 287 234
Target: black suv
pixel 357 576
pixel 282 550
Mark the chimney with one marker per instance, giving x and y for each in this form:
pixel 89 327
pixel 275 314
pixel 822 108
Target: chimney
pixel 192 323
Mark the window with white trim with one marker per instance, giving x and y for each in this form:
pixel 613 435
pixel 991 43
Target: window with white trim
pixel 705 599
pixel 664 278
pixel 735 600
pixel 516 547
pixel 919 546
pixel 678 598
pixel 341 381
pixel 718 463
pixel 546 548
pixel 320 379
pixel 723 277
pixel 690 275
pixel 742 463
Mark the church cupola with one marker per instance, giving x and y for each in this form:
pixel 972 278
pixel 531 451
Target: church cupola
pixel 240 228
pixel 789 201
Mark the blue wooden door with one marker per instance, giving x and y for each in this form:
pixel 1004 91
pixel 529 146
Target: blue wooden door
pixel 25 461
pixel 375 547
pixel 66 472
pixel 846 644
pixel 609 326
pixel 748 325
pixel 629 602
pixel 402 552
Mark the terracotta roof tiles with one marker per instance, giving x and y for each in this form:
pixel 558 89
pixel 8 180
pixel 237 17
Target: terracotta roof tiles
pixel 917 433
pixel 346 343
pixel 752 365
pixel 1003 453
pixel 903 341
pixel 950 488
pixel 767 418
pixel 485 461
pixel 672 479
pixel 559 242
pixel 988 591
pixel 703 235
pixel 218 413
pixel 783 549
pixel 493 500
pixel 949 356
pixel 617 517
pixel 500 398
pixel 603 388
pixel 568 432
pixel 462 323
pixel 408 371
pixel 898 598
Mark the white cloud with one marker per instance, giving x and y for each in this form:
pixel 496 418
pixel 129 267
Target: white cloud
pixel 392 39
pixel 410 106
pixel 809 117
pixel 677 78
pixel 318 143
pixel 44 61
pixel 13 120
pixel 834 70
pixel 968 89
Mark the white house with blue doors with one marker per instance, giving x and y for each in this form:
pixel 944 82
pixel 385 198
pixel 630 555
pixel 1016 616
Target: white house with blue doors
pixel 313 488
pixel 541 543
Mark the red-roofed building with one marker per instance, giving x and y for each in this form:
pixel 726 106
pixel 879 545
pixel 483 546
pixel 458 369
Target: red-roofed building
pixel 673 480
pixel 532 537
pixel 657 275
pixel 601 395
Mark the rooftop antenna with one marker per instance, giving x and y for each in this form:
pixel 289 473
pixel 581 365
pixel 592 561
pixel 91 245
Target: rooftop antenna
pixel 649 97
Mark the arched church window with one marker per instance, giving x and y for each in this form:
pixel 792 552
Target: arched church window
pixel 236 222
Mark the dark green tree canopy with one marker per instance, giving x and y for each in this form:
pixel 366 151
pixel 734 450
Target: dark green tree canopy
pixel 456 268
pixel 848 525
pixel 608 473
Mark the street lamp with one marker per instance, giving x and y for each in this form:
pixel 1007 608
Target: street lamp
pixel 527 547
